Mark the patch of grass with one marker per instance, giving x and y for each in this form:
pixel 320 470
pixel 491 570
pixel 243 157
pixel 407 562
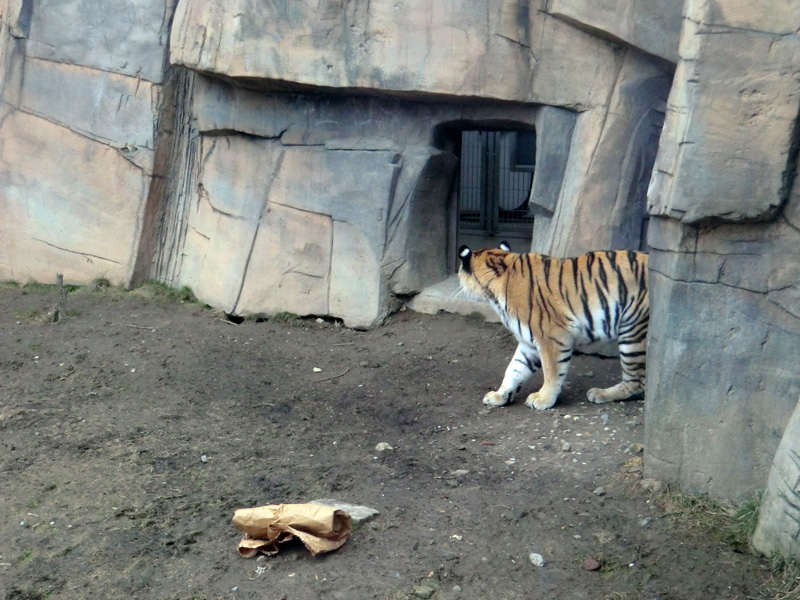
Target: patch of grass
pixel 158 289
pixel 10 284
pixel 100 283
pixel 784 583
pixel 288 318
pixel 34 287
pixel 731 524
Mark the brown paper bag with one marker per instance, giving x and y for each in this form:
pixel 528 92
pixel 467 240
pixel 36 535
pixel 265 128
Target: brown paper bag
pixel 320 528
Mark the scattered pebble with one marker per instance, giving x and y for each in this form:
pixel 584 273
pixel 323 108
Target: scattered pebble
pixel 566 447
pixel 358 514
pixel 317 370
pixel 536 559
pixel 646 521
pixel 380 447
pixel 203 458
pixel 459 472
pixel 600 491
pixel 423 591
pixel 635 448
pixel 591 564
pixel 604 417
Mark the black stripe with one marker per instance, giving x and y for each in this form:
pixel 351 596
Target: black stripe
pixel 602 271
pixel 546 269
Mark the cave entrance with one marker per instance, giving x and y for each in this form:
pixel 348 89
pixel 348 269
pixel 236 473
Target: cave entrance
pixel 494 187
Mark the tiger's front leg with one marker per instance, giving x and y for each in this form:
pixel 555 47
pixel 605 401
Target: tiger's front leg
pixel 524 364
pixel 555 364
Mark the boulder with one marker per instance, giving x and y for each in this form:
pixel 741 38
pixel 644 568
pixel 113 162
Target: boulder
pixel 490 50
pixel 61 194
pixel 725 250
pixel 731 125
pixel 650 25
pixel 778 529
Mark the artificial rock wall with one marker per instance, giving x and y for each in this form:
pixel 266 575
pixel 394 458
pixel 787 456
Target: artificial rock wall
pixel 724 374
pixel 292 156
pixel 80 100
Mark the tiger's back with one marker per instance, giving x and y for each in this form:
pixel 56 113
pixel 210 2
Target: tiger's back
pixel 593 295
pixel 552 304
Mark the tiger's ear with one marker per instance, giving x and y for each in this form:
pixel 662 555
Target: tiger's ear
pixel 464 253
pixel 504 246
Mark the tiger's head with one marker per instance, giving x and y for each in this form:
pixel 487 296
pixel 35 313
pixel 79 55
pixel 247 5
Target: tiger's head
pixel 483 272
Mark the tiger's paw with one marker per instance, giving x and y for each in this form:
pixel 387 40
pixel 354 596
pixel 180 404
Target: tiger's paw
pixel 494 399
pixel 599 396
pixel 539 402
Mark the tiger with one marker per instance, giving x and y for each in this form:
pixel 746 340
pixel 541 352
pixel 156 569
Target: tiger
pixel 551 305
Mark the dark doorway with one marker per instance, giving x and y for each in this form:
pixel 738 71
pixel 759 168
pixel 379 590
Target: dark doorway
pixel 494 188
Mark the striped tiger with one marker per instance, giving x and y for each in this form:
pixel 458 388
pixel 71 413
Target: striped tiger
pixel 552 304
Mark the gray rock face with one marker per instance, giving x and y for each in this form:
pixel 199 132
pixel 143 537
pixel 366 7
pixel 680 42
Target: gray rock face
pixel 723 372
pixel 611 155
pixel 778 529
pixel 118 36
pixel 80 99
pixel 641 24
pixel 500 50
pixel 730 122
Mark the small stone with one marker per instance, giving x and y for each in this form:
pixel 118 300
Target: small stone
pixel 317 370
pixel 459 472
pixel 423 591
pixel 589 374
pixel 646 521
pixel 203 458
pixel 380 447
pixel 636 448
pixel 604 417
pixel 600 491
pixel 358 514
pixel 457 589
pixel 591 564
pixel 566 447
pixel 320 320
pixel 536 559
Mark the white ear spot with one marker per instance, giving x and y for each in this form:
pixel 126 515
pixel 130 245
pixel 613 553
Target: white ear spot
pixel 465 252
pixel 505 247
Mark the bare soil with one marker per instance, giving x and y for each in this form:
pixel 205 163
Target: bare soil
pixel 105 418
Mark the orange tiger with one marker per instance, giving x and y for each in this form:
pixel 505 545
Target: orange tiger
pixel 552 304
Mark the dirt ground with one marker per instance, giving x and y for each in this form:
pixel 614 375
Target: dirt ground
pixel 106 416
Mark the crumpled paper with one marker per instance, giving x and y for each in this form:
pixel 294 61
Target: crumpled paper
pixel 320 528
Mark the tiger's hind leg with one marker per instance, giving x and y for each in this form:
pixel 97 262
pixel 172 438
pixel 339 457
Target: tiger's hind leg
pixel 632 356
pixel 524 364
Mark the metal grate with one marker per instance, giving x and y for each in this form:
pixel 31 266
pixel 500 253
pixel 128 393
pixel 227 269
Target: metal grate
pixel 493 196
